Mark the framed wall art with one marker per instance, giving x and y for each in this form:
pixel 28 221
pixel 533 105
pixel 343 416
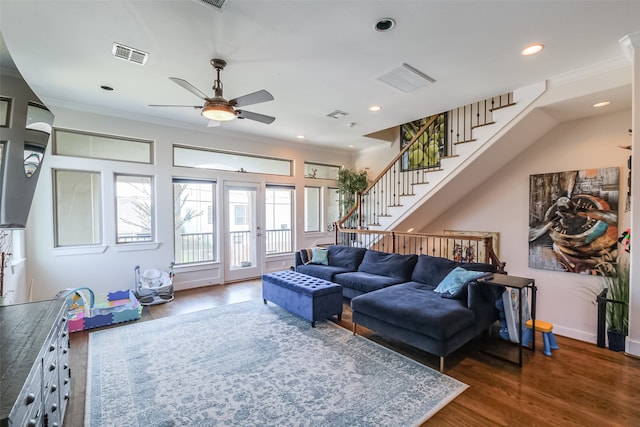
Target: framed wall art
pixel 573 220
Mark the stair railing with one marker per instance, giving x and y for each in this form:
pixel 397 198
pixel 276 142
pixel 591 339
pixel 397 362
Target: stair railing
pixel 416 159
pixel 405 171
pixel 457 247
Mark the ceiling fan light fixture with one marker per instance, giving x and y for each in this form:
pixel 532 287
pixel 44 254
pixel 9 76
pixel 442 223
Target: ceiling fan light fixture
pixel 218 111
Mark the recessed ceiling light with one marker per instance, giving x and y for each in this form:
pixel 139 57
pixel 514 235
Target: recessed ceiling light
pixel 532 49
pixel 300 136
pixel 384 24
pixel 601 104
pixel 375 108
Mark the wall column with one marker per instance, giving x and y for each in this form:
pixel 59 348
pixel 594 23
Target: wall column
pixel 631 45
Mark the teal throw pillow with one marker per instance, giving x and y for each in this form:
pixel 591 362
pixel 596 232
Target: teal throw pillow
pixel 319 256
pixel 456 281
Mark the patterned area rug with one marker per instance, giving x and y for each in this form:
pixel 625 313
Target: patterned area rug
pixel 251 364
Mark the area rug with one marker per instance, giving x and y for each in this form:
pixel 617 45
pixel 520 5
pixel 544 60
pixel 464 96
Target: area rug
pixel 251 364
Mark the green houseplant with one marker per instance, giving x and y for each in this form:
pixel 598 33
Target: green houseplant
pixel 350 182
pixel 617 309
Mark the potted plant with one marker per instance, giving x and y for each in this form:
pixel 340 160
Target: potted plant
pixel 350 182
pixel 617 306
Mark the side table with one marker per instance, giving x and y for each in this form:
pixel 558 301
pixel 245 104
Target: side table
pixel 519 283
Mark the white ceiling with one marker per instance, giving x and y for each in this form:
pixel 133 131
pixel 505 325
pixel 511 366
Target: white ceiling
pixel 313 56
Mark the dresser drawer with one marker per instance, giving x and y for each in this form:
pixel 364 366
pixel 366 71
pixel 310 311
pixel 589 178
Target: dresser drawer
pixel 27 409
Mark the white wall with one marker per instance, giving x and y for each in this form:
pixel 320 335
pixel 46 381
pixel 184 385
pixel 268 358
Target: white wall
pixel 51 269
pixel 501 204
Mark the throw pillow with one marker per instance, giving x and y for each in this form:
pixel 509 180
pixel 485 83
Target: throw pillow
pixel 319 256
pixel 455 283
pixel 306 255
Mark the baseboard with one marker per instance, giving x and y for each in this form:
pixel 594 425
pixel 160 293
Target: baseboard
pixel 633 348
pixel 575 334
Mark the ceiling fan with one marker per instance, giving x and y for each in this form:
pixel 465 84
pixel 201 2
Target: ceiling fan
pixel 217 109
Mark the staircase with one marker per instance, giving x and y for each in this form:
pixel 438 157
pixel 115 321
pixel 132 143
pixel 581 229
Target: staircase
pixel 411 180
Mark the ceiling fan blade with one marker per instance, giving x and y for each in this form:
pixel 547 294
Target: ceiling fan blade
pixel 167 105
pixel 252 98
pixel 213 124
pixel 254 116
pixel 188 86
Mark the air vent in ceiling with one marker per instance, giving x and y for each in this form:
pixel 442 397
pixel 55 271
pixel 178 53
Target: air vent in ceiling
pixel 337 114
pixel 129 54
pixel 216 4
pixel 406 78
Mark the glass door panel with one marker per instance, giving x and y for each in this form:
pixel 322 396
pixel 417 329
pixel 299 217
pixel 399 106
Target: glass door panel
pixel 243 231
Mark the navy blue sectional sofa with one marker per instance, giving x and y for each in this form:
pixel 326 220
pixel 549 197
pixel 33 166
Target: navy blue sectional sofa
pixel 395 296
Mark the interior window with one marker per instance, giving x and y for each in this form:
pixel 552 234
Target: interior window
pixel 77 208
pixel 134 209
pixel 279 217
pixel 194 221
pixel 311 209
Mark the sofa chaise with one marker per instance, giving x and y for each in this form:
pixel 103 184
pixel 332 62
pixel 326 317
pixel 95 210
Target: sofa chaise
pixel 432 303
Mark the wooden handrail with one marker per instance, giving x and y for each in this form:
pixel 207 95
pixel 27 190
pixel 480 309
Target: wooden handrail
pixel 422 130
pixel 358 199
pixel 393 237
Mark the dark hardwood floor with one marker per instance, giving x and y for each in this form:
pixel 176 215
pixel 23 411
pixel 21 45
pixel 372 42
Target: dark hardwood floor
pixel 580 385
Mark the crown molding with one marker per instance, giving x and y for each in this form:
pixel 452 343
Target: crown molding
pixel 629 42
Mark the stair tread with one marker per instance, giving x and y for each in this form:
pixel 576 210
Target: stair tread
pixel 482 125
pixel 503 106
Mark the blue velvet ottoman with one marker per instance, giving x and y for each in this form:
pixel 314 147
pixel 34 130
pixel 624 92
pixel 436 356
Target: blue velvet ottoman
pixel 307 296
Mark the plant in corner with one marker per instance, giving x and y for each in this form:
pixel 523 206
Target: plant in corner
pixel 350 182
pixel 617 309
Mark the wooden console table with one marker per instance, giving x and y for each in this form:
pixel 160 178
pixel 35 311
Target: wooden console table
pixel 519 283
pixel 34 349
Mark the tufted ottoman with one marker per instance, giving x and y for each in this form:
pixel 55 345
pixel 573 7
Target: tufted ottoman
pixel 308 297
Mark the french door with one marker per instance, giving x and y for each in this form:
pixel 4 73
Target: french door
pixel 243 232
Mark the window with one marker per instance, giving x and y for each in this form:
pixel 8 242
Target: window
pixel 218 160
pixel 318 170
pixel 334 211
pixel 95 146
pixel 77 208
pixel 194 221
pixel 279 217
pixel 311 209
pixel 240 215
pixel 5 111
pixel 2 150
pixel 134 209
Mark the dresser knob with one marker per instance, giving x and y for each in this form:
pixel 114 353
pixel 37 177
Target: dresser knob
pixel 52 347
pixel 30 398
pixel 66 396
pixel 52 367
pixel 54 407
pixel 32 423
pixel 53 388
pixel 65 366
